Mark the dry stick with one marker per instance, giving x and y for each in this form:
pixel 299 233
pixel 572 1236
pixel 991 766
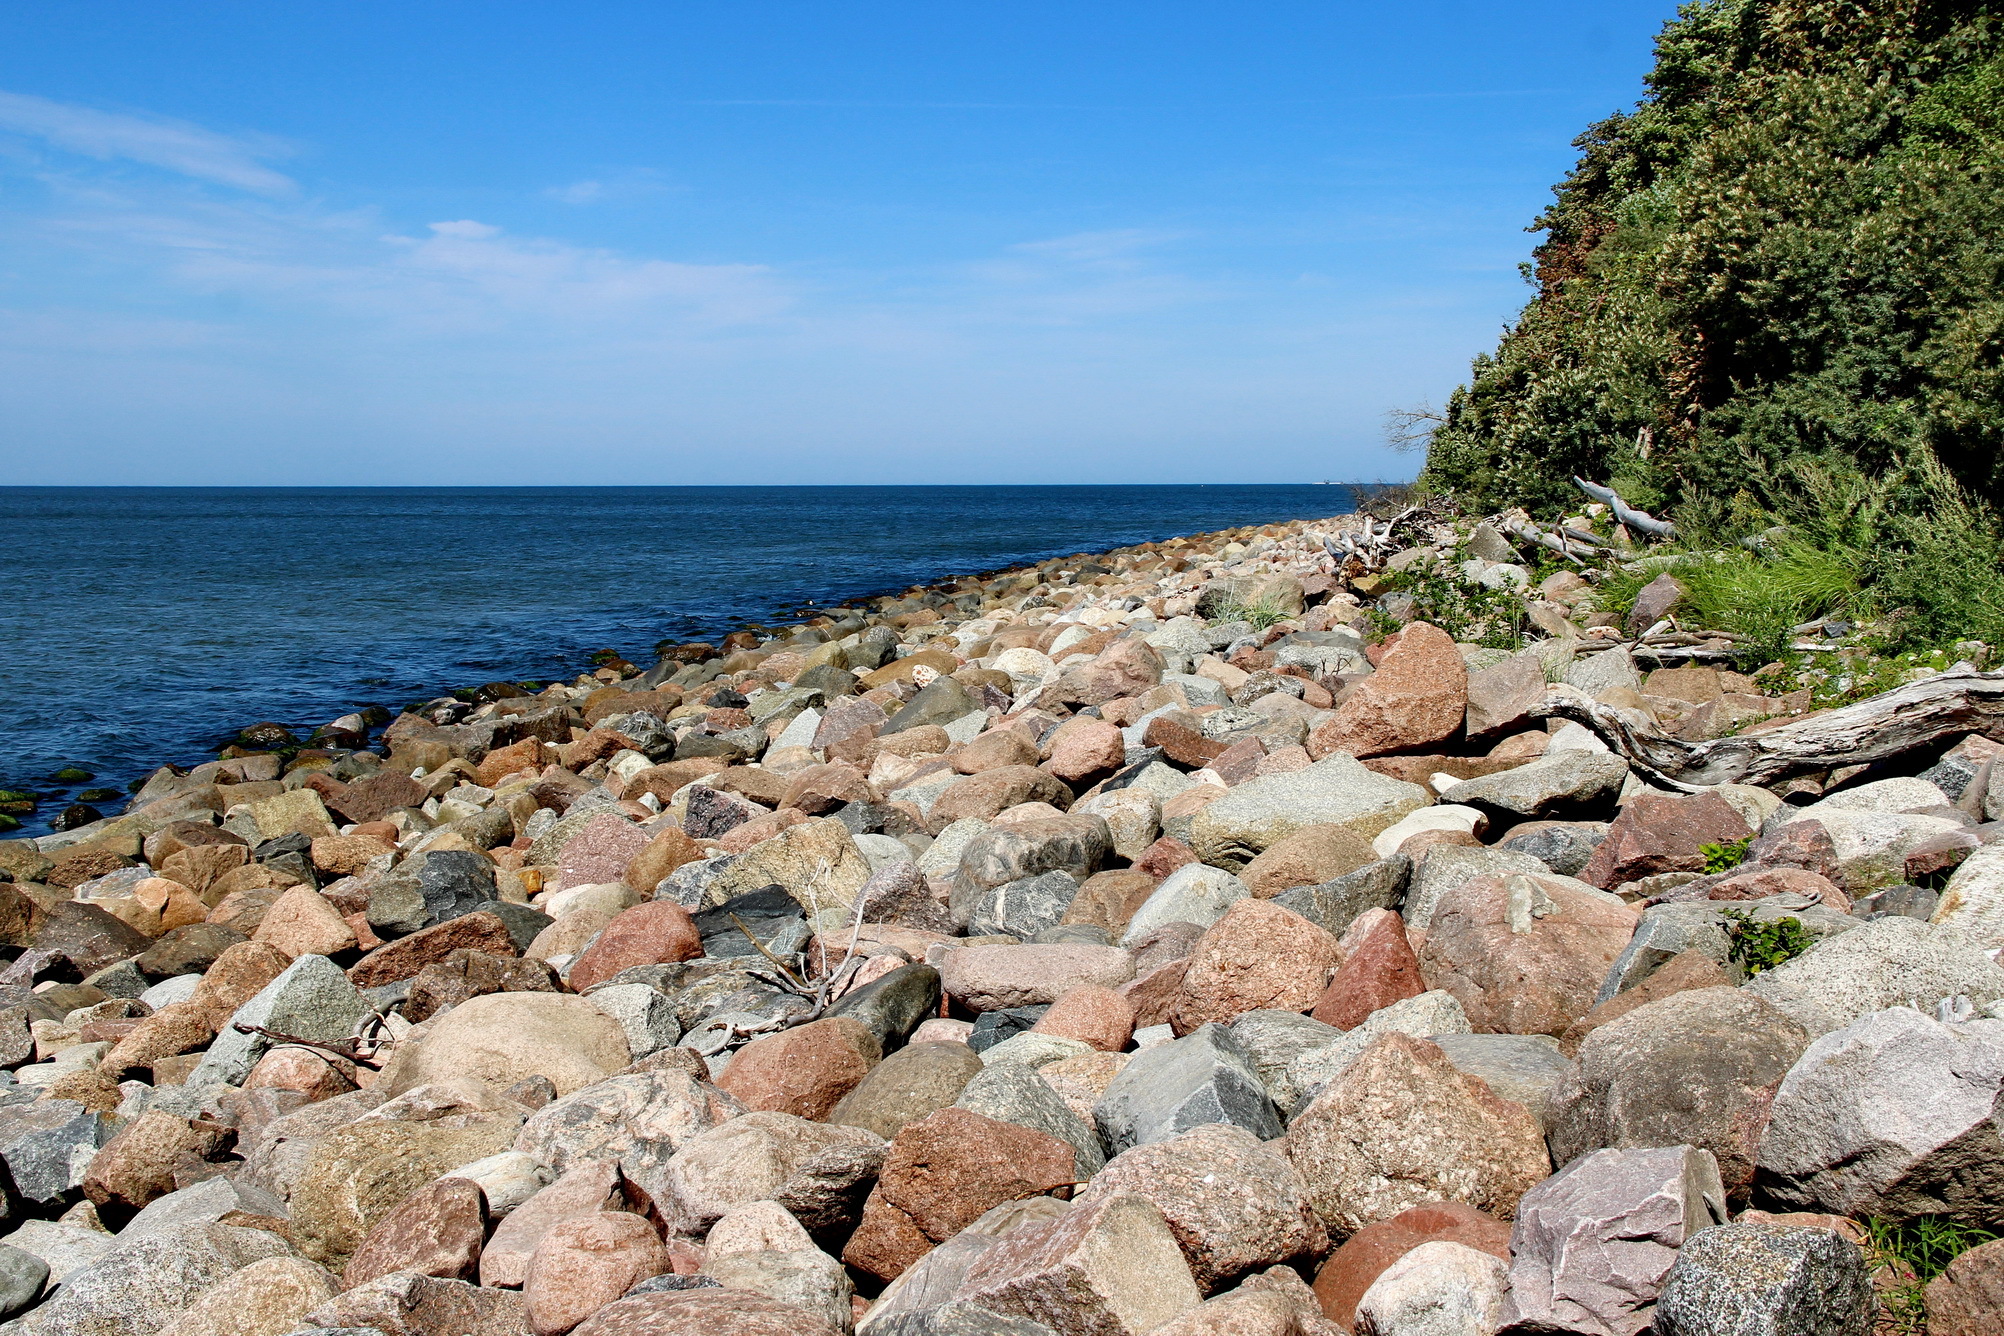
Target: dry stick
pixel 1958 701
pixel 346 1049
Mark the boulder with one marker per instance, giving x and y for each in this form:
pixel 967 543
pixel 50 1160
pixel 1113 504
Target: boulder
pixel 1417 696
pixel 1888 962
pixel 1257 956
pixel 638 1119
pixel 1524 954
pixel 804 1071
pixel 1892 1116
pixel 1195 893
pixel 1024 907
pixel 816 862
pixel 436 1231
pixel 1965 1299
pixel 1696 1068
pixel 1973 901
pixel 1014 1093
pixel 658 932
pixel 1091 1014
pixel 588 1188
pixel 1234 1204
pixel 1437 1289
pixel 405 1303
pixel 912 1083
pixel 312 999
pixel 266 1298
pixel 1426 1016
pixel 943 1172
pixel 357 1175
pixel 1446 867
pixel 1399 1127
pixel 806 1278
pixel 1109 1269
pixel 1594 1241
pixel 1334 905
pixel 586 1262
pixel 1337 790
pixel 996 978
pixel 995 855
pixel 715 1311
pixel 1378 968
pixel 1524 1068
pixel 1309 857
pixel 818 1171
pixel 1345 1277
pixel 1663 832
pixel 1766 1280
pixel 503 1037
pixel 1560 786
pixel 1204 1077
pixel 140 1288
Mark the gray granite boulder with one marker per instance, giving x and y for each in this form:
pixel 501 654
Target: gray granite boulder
pixel 1766 1280
pixel 1204 1077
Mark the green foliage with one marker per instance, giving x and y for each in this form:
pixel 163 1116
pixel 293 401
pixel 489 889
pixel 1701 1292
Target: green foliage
pixel 1724 857
pixel 1259 614
pixel 1761 946
pixel 1472 614
pixel 1911 1253
pixel 1775 291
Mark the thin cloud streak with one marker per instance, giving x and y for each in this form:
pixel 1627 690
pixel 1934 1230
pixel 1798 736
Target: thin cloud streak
pixel 174 145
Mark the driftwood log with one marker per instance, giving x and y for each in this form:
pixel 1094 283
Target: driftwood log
pixel 1641 521
pixel 1954 703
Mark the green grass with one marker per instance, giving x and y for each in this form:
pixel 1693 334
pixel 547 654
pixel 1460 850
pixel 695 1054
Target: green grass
pixel 1260 614
pixel 1915 1252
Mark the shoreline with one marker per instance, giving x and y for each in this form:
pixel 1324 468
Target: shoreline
pixel 38 823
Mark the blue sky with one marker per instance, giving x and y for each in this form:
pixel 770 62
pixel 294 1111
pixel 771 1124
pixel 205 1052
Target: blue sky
pixel 766 242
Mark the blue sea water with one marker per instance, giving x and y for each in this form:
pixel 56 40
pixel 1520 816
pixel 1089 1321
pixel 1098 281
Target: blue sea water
pixel 144 625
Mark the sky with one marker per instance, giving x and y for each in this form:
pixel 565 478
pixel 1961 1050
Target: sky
pixel 761 242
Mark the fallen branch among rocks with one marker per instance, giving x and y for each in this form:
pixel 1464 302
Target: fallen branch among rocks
pixel 1959 701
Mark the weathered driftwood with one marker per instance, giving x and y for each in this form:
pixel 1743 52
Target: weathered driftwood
pixel 1958 701
pixel 1639 520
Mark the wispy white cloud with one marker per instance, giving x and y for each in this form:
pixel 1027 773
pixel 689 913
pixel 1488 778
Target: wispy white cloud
pixel 177 146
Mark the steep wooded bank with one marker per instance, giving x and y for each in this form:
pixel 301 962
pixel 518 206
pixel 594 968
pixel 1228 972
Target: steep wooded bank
pixel 1771 292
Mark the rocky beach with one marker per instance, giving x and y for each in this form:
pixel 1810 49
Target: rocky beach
pixel 1411 923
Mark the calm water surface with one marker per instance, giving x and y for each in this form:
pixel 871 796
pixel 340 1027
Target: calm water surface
pixel 142 625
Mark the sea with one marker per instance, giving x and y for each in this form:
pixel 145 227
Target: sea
pixel 142 625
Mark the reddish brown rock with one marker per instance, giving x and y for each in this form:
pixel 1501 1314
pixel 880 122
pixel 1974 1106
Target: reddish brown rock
pixel 1662 832
pixel 302 923
pixel 1257 956
pixel 1108 899
pixel 600 852
pixel 658 932
pixel 994 749
pixel 1083 747
pixel 403 958
pixel 1124 668
pixel 667 851
pixel 1967 1298
pixel 1378 969
pixel 992 792
pixel 1761 882
pixel 585 1263
pixel 1156 994
pixel 1164 856
pixel 138 1165
pixel 436 1231
pixel 1092 1015
pixel 1112 1266
pixel 346 855
pixel 1181 742
pixel 1307 857
pixel 804 1071
pixel 941 1174
pixel 374 798
pixel 1366 1254
pixel 1523 954
pixel 1417 697
pixel 820 789
pixel 201 867
pixel 175 905
pixel 585 1190
pixel 504 761
pixel 1684 972
pixel 312 1074
pixel 465 974
pixel 705 1312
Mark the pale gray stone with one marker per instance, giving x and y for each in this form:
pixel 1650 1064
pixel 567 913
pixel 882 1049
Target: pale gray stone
pixel 1593 1242
pixel 1570 785
pixel 1194 893
pixel 1431 1013
pixel 312 999
pixel 1332 905
pixel 1888 962
pixel 1445 867
pixel 1520 1067
pixel 1014 1093
pixel 1204 1077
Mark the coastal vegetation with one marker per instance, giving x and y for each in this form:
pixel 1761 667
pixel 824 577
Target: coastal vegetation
pixel 1767 305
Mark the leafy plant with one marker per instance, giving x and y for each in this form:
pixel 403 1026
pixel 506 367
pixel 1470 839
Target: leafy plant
pixel 1913 1252
pixel 1724 857
pixel 1471 613
pixel 1761 946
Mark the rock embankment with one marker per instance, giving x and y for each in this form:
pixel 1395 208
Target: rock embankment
pixel 1181 940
